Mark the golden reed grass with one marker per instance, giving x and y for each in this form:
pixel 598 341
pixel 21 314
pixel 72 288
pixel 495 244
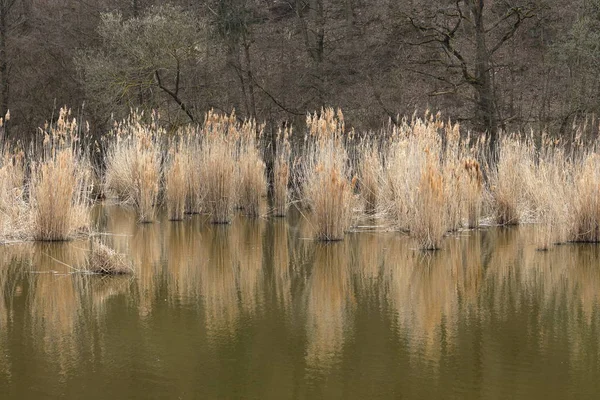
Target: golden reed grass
pixel 251 168
pixel 326 184
pixel 218 173
pixel 177 180
pixel 431 182
pixel 106 261
pixel 13 206
pixel 59 187
pixel 281 172
pixel 133 164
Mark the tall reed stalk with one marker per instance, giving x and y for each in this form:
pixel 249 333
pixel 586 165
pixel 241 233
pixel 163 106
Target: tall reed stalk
pixel 218 173
pixel 326 182
pixel 252 169
pixel 133 164
pixel 59 188
pixel 281 173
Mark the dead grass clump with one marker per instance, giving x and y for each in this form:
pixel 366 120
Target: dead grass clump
pixel 585 222
pixel 60 184
pixel 13 207
pixel 133 164
pixel 106 261
pixel 252 170
pixel 326 183
pixel 416 181
pixel 191 163
pixel 473 191
pixel 509 180
pixel 176 181
pixel 370 175
pixel 218 174
pixel 281 173
pixel 549 191
pixel 429 224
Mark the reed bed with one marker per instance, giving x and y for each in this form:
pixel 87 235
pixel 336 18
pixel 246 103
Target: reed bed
pixel 424 177
pixel 281 173
pixel 60 183
pixel 13 207
pixel 431 183
pixel 176 177
pixel 370 175
pixel 585 220
pixel 218 173
pixel 251 168
pixel 134 164
pixel 326 184
pixel 509 180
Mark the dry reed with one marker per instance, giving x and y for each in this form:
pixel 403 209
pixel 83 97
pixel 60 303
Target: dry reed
pixel 370 175
pixel 133 164
pixel 106 261
pixel 59 188
pixel 585 222
pixel 326 183
pixel 176 181
pixel 281 173
pixel 251 168
pixel 218 173
pixel 508 180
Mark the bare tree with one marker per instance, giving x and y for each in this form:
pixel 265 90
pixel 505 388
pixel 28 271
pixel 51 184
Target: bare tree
pixel 462 41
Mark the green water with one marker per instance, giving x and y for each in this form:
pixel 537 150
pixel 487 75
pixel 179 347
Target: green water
pixel 257 310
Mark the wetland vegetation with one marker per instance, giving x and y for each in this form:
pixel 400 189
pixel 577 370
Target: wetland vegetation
pixel 203 224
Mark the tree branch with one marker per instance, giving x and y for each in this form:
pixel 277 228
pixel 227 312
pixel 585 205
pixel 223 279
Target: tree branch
pixel 173 95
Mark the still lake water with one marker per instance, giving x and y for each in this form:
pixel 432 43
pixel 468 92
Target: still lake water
pixel 256 310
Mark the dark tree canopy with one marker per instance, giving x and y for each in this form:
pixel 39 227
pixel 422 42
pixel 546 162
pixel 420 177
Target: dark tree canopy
pixel 492 65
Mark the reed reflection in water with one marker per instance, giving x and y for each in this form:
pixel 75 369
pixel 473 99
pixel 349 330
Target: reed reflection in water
pixel 256 308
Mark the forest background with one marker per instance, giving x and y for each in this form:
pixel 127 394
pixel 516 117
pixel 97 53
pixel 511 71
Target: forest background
pixel 490 65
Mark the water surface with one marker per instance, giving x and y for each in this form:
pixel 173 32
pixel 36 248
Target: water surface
pixel 258 310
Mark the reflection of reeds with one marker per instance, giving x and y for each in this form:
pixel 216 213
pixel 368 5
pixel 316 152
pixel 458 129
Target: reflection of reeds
pixel 249 238
pixel 330 303
pixel 218 283
pixel 184 257
pixel 58 302
pixel 145 249
pixel 12 261
pixel 428 291
pixel 281 263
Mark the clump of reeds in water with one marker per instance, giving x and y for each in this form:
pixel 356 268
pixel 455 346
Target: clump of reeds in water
pixel 106 261
pixel 508 179
pixel 585 222
pixel 326 182
pixel 133 164
pixel 190 152
pixel 176 180
pixel 413 186
pixel 218 173
pixel 370 175
pixel 473 190
pixel 60 183
pixel 14 213
pixel 251 168
pixel 429 223
pixel 281 173
pixel 549 188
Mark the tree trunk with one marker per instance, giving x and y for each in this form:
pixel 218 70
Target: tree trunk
pixel 486 104
pixel 252 102
pixel 4 79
